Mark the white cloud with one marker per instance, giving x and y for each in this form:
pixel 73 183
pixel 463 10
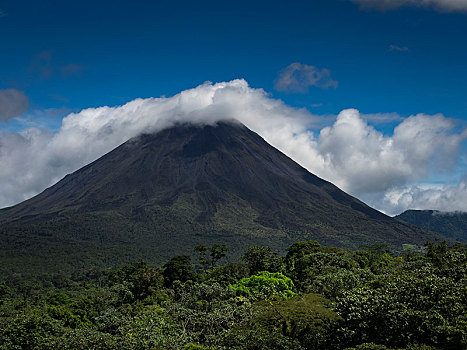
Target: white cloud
pixel 351 153
pixel 439 5
pixel 13 103
pixel 448 197
pixel 359 159
pixel 298 77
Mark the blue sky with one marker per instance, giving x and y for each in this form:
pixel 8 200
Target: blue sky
pixel 70 55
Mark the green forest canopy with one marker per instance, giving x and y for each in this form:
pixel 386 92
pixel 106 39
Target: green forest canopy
pixel 313 297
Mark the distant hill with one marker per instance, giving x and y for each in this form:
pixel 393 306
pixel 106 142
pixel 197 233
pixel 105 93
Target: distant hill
pixel 161 194
pixel 450 224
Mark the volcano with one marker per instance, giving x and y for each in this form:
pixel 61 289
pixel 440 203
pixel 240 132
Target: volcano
pixel 161 194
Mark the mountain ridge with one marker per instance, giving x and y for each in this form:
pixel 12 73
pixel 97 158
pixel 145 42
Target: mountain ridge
pixel 449 224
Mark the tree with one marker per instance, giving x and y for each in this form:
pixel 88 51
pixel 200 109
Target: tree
pixel 260 258
pixel 140 278
pixel 5 293
pixel 227 274
pixel 178 269
pixel 265 285
pixel 415 307
pixel 217 252
pixel 202 258
pixel 307 261
pixel 205 311
pixel 307 318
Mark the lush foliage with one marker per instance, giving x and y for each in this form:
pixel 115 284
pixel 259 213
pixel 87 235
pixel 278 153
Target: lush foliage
pixel 265 285
pixel 314 297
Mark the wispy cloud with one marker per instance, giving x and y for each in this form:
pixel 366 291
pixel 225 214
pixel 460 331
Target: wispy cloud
pixel 2 13
pixel 52 117
pixel 438 5
pixel 59 98
pixel 13 103
pixel 382 118
pixel 70 70
pixel 398 48
pixel 298 77
pixel 42 64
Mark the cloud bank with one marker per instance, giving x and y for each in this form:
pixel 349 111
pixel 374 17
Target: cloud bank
pixel 439 5
pixel 450 197
pixel 298 77
pixel 350 152
pixel 373 163
pixel 13 103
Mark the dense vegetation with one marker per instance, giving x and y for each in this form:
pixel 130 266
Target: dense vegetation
pixel 314 297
